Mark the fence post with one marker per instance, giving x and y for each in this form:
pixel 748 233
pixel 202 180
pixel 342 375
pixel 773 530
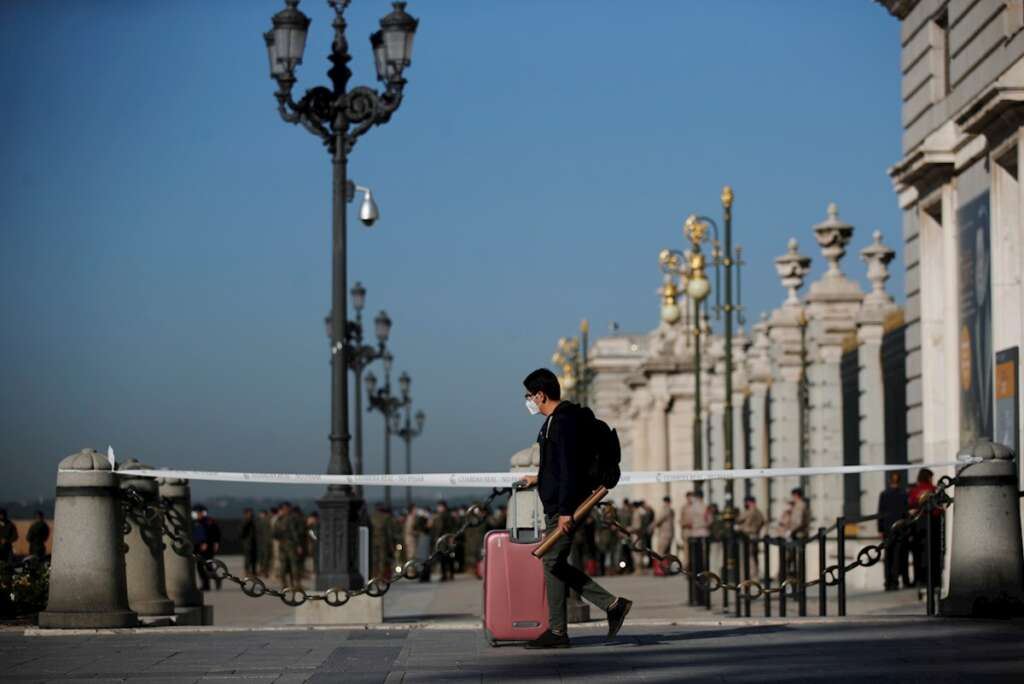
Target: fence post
pixel 724 572
pixel 841 553
pixel 767 576
pixel 801 576
pixel 706 563
pixel 144 558
pixel 88 588
pixel 822 596
pixel 690 546
pixel 783 575
pixel 179 568
pixel 986 570
pixel 929 537
pixel 746 574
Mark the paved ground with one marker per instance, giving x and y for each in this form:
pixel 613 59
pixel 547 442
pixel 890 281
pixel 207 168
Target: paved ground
pixel 432 634
pixel 851 650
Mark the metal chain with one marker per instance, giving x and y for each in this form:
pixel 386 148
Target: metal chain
pixel 752 589
pixel 174 527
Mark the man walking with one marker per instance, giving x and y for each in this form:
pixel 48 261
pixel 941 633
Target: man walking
pixel 561 489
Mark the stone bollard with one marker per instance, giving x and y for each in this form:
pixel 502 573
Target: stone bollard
pixel 88 588
pixel 144 559
pixel 986 576
pixel 179 567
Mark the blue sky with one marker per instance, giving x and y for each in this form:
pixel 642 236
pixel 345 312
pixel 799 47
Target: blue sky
pixel 165 244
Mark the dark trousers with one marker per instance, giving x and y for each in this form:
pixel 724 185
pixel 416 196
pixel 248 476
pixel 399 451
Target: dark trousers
pixel 251 558
pixel 204 576
pixel 560 577
pixel 897 563
pixel 697 565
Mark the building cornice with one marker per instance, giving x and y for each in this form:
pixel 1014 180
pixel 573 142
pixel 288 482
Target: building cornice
pixel 898 8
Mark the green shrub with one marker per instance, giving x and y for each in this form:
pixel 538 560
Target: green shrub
pixel 23 590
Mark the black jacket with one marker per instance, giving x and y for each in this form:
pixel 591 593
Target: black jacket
pixel 892 506
pixel 560 477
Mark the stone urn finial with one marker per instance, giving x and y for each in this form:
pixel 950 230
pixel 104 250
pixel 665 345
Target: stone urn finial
pixel 792 267
pixel 833 235
pixel 877 256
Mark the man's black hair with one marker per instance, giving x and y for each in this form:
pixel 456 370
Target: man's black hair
pixel 749 498
pixel 924 475
pixel 799 492
pixel 667 499
pixel 543 380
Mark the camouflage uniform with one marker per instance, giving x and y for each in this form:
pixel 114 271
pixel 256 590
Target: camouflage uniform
pixel 290 533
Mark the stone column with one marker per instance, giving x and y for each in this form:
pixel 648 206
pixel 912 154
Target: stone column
pixel 640 406
pixel 657 448
pixel 759 374
pixel 144 557
pixel 986 577
pixel 833 303
pixel 877 307
pixel 88 588
pixel 784 398
pixel 179 567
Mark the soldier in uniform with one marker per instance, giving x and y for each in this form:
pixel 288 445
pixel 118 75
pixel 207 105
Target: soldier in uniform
pixel 474 541
pixel 289 532
pixel 382 543
pixel 443 524
pixel 8 535
pixel 37 536
pixel 264 543
pixel 313 539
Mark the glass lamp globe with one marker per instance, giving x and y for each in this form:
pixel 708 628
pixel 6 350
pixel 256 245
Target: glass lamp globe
pixel 670 313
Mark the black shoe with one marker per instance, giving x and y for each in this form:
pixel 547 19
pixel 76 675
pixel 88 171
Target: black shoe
pixel 617 615
pixel 549 640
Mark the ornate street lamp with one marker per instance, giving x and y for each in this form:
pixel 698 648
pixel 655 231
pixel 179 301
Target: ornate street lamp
pixel 388 405
pixel 339 115
pixel 407 433
pixel 360 356
pixel 689 266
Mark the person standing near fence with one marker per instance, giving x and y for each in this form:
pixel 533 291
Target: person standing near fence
pixel 923 556
pixel 37 535
pixel 8 535
pixel 800 516
pixel 289 533
pixel 893 507
pixel 202 543
pixel 247 537
pixel 664 527
pixel 264 543
pixel 749 523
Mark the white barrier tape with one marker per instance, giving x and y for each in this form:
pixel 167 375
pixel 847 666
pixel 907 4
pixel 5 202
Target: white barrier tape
pixel 507 479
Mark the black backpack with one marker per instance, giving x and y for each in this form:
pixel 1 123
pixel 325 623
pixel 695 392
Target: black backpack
pixel 603 444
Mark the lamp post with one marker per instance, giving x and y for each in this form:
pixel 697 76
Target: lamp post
pixel 571 357
pixel 360 356
pixel 388 405
pixel 338 116
pixel 408 433
pixel 689 267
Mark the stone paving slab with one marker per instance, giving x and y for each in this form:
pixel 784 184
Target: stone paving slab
pixel 854 650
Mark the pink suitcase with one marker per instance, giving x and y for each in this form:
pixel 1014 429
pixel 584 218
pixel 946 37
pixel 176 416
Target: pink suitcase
pixel 515 595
